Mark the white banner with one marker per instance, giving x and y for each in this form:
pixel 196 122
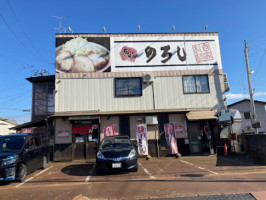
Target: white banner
pixel 165 53
pixel 142 139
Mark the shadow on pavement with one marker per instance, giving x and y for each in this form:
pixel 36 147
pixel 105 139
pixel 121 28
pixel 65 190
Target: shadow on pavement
pixel 88 170
pixel 237 160
pixel 78 170
pixel 192 175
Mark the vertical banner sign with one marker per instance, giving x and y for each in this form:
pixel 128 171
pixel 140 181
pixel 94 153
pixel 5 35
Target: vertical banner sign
pixel 170 138
pixel 108 131
pixel 142 139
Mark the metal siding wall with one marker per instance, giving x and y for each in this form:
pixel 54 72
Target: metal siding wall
pixel 169 94
pixel 93 94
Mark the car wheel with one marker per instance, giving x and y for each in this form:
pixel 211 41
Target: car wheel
pixel 99 172
pixel 135 169
pixel 44 162
pixel 22 173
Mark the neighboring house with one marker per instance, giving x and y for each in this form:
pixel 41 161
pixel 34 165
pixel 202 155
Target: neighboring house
pixel 243 107
pixel 5 126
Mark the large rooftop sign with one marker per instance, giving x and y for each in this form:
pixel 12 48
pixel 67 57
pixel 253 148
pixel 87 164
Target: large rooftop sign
pixel 84 53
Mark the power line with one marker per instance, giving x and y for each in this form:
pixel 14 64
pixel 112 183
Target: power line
pixel 15 35
pixel 21 27
pixel 257 69
pixel 23 110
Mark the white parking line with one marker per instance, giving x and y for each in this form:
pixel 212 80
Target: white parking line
pixel 147 172
pixel 91 171
pixel 199 167
pixel 33 176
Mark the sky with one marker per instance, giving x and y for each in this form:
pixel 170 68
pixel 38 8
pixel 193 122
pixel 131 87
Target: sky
pixel 27 38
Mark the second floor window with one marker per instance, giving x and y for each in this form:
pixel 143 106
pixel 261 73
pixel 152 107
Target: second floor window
pixel 247 115
pixel 128 87
pixel 196 84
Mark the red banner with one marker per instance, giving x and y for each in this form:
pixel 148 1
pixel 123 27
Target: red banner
pixel 169 130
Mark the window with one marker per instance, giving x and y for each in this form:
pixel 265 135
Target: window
pixel 196 84
pixel 246 115
pixel 128 87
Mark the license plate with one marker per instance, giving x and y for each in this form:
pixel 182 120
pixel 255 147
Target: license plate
pixel 116 165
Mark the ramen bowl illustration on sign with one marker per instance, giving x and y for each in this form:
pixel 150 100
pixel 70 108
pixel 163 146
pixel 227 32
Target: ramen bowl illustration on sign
pixel 80 56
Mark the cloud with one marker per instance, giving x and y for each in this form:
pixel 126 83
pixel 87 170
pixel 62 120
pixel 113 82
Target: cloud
pixel 260 94
pixel 242 96
pixel 236 96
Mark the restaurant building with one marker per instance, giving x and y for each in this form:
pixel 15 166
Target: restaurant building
pixel 124 80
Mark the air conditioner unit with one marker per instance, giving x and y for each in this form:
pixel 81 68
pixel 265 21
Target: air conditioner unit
pixel 226 87
pixel 151 120
pixel 225 77
pixel 148 78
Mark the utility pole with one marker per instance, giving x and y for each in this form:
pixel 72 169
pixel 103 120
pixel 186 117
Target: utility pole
pixel 252 106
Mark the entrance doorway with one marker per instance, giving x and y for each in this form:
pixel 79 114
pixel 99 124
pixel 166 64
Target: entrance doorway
pixel 194 137
pixel 85 138
pixel 199 137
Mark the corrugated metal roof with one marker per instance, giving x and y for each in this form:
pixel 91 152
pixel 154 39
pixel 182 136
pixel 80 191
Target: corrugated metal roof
pixel 90 113
pixel 245 100
pixel 8 121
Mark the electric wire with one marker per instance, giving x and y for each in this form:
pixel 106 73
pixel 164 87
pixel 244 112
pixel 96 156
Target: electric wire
pixel 258 67
pixel 11 101
pixel 26 36
pixel 18 39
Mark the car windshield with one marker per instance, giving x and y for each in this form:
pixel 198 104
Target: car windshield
pixel 117 143
pixel 11 143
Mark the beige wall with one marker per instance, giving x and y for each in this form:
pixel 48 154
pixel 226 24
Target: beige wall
pixel 152 130
pixel 91 94
pixel 4 128
pixel 63 124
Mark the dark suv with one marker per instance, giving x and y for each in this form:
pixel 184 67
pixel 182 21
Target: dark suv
pixel 21 154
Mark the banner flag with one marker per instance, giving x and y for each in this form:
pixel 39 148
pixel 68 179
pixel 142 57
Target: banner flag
pixel 169 130
pixel 142 139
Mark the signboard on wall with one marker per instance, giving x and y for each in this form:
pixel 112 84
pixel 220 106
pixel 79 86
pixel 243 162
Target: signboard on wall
pixel 63 134
pixel 180 129
pixel 159 53
pixel 81 54
pixel 108 131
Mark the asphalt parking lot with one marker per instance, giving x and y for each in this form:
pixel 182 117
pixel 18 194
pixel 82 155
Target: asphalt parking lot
pixel 156 178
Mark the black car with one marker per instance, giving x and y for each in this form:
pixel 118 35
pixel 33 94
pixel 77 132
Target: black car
pixel 21 154
pixel 116 153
